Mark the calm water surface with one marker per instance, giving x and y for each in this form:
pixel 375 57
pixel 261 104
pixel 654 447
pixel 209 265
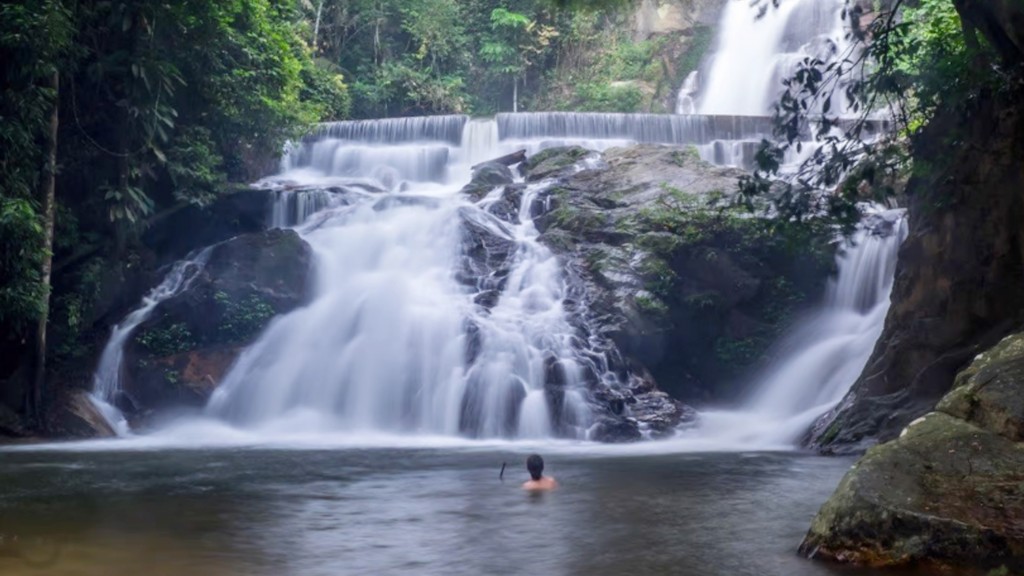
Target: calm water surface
pixel 248 511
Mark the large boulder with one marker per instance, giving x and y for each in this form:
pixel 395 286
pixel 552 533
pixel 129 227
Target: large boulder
pixel 686 288
pixel 949 490
pixel 178 355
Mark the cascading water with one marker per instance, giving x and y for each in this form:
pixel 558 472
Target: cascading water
pixel 394 339
pixel 827 351
pixel 757 50
pixel 107 385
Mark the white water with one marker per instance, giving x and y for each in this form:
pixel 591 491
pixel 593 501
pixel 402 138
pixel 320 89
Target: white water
pixel 826 352
pixel 392 341
pixel 107 385
pixel 686 101
pixel 753 55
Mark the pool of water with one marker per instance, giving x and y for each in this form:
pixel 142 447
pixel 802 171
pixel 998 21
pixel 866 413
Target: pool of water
pixel 378 510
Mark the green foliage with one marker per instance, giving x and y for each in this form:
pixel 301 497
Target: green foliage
pixel 651 305
pixel 601 97
pixel 34 40
pixel 695 51
pixel 911 58
pixel 160 104
pixel 72 306
pixel 242 319
pixel 195 166
pixel 324 84
pixel 932 54
pixel 609 72
pixel 739 351
pixel 167 341
pixel 21 294
pixel 406 57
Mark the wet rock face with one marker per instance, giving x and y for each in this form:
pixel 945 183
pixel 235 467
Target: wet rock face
pixel 949 490
pixel 957 289
pixel 177 357
pixel 487 255
pixel 75 416
pixel 688 294
pixel 554 162
pixel 487 177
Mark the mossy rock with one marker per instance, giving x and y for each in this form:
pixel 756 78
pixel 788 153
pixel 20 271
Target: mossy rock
pixel 180 353
pixel 552 162
pixel 946 492
pixel 990 392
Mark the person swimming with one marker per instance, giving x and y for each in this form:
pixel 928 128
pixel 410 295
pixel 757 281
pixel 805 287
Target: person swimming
pixel 537 481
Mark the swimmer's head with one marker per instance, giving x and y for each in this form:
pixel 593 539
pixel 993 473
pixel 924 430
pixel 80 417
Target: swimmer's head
pixel 535 464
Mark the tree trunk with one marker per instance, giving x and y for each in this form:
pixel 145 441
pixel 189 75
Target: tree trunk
pixel 515 94
pixel 47 201
pixel 316 27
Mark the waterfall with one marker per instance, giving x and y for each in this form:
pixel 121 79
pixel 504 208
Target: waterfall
pixel 826 352
pixel 686 102
pixel 107 386
pixel 755 54
pixel 432 316
pixel 406 331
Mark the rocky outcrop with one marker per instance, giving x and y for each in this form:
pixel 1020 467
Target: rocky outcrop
pixel 487 177
pixel 691 293
pixel 181 352
pixel 957 287
pixel 74 415
pixel 949 490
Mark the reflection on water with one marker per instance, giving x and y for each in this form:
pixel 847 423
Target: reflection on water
pixel 392 511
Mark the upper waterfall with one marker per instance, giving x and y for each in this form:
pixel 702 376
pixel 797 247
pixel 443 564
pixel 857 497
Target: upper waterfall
pixel 760 46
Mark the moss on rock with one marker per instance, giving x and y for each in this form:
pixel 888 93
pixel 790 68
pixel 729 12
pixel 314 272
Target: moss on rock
pixel 949 490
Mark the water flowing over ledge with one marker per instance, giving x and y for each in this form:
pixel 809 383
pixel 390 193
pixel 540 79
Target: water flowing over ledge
pixel 432 317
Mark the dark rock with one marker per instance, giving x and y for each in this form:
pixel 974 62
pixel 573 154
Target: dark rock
pixel 946 492
pixel 178 356
pixel 949 490
pixel 616 430
pixel 487 177
pixel 11 424
pixel 553 162
pixel 692 294
pixel 556 375
pixel 487 250
pixel 487 298
pixel 990 392
pixel 958 280
pixel 75 416
pixel 506 208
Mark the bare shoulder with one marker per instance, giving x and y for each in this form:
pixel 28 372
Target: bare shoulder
pixel 544 484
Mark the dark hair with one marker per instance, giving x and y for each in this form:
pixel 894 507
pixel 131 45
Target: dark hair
pixel 535 464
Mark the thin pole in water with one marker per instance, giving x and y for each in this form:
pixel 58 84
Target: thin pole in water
pixel 501 475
